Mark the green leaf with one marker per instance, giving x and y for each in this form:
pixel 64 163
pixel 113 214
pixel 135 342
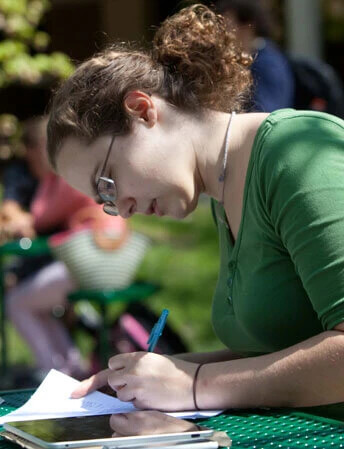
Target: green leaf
pixel 11 48
pixel 41 40
pixel 13 6
pixel 17 25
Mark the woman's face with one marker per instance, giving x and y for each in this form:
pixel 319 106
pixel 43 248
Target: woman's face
pixel 154 169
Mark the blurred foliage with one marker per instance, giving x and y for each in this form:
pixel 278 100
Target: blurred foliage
pixel 334 20
pixel 24 60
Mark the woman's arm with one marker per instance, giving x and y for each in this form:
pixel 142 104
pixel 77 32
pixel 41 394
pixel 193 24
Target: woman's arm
pixel 208 357
pixel 306 374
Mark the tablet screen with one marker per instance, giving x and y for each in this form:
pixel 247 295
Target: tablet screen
pixel 68 429
pixel 86 431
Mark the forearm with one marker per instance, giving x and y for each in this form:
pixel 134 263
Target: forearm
pixel 307 374
pixel 208 357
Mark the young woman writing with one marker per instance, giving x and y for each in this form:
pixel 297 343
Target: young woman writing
pixel 148 132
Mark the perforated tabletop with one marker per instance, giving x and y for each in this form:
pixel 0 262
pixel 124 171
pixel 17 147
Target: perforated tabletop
pixel 255 429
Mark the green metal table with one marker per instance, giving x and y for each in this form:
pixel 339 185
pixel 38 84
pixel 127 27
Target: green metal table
pixel 315 428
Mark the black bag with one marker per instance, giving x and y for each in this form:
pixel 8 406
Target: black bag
pixel 317 86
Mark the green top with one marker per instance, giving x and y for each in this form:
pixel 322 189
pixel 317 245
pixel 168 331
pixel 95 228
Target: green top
pixel 283 279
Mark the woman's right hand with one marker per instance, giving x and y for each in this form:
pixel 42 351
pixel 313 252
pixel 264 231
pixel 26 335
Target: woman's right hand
pixel 148 380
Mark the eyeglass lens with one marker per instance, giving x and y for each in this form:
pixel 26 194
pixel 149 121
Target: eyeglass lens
pixel 110 209
pixel 108 193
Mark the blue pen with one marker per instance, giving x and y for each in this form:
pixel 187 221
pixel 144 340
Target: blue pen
pixel 157 331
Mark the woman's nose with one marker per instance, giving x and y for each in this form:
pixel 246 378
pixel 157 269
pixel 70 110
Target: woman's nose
pixel 127 207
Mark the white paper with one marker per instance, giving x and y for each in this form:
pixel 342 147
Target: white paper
pixel 2 401
pixel 52 400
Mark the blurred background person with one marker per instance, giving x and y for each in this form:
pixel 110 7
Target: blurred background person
pixel 44 283
pixel 273 77
pixel 300 81
pixel 19 186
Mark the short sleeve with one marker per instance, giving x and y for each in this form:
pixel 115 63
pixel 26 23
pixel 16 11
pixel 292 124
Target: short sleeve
pixel 302 180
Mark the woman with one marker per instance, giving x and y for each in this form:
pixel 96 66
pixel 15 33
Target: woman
pixel 147 133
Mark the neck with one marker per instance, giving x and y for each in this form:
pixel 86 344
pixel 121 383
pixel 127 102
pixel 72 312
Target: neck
pixel 211 151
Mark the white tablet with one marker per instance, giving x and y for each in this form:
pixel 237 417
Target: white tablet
pixel 87 431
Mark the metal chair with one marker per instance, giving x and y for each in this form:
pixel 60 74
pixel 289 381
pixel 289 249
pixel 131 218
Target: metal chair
pixel 137 291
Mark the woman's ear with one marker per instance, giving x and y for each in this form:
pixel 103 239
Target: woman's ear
pixel 141 106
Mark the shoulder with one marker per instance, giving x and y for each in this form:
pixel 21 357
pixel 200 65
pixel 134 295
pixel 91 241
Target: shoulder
pixel 298 150
pixel 290 135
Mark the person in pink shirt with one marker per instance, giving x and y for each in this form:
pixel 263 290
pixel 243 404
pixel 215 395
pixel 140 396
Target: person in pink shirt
pixel 31 303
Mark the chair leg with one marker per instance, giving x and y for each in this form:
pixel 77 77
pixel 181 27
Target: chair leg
pixel 3 335
pixel 104 338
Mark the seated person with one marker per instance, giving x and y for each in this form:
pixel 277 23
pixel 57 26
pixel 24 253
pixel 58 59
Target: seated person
pixel 43 287
pixel 273 78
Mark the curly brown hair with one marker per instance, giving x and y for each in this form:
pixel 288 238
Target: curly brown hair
pixel 194 64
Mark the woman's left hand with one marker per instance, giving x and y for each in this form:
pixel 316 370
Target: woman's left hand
pixel 150 381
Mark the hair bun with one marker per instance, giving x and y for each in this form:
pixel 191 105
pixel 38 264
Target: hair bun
pixel 195 45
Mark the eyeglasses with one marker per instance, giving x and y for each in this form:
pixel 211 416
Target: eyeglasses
pixel 106 188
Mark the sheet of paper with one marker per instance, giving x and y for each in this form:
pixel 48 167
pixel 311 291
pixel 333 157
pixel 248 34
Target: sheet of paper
pixel 2 400
pixel 52 400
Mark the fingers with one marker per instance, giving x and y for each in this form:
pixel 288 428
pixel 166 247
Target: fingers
pixel 91 384
pixel 125 394
pixel 119 423
pixel 120 361
pixel 117 379
pixel 116 362
pixel 99 380
pixel 114 376
pixel 108 390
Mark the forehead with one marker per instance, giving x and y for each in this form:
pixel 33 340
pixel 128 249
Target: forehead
pixel 79 163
